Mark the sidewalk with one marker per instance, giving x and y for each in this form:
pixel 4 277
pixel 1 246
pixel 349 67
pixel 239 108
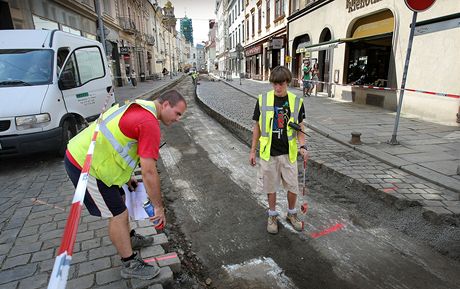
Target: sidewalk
pixel 421 170
pixel 144 89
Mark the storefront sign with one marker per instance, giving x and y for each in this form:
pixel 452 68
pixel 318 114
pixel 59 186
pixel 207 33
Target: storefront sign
pixel 124 50
pixel 277 43
pixel 353 5
pixel 253 50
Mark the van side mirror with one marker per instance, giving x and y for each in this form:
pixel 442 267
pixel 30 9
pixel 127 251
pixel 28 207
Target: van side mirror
pixel 67 80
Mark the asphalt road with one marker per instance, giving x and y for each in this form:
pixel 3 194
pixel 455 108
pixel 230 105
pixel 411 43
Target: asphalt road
pixel 346 244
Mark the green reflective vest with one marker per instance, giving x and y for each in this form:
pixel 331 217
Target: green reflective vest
pixel 267 113
pixel 115 155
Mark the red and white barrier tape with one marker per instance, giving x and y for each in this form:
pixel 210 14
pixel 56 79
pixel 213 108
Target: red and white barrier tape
pixel 451 95
pixel 61 266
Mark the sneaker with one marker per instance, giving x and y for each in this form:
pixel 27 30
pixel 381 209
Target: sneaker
pixel 139 241
pixel 137 268
pixel 272 225
pixel 295 222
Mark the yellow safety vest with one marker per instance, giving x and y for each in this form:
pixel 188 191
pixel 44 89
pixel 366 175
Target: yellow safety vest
pixel 266 103
pixel 115 155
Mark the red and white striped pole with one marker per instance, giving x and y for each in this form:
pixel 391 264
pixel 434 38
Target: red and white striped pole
pixel 61 266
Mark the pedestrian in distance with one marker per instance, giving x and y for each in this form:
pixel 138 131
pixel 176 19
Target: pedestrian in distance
pixel 133 78
pixel 278 146
pixel 129 135
pixel 314 77
pixel 306 77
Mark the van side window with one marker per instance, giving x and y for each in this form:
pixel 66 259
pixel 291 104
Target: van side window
pixel 61 56
pixel 90 64
pixel 69 74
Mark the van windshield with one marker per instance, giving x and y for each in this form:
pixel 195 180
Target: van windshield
pixel 23 67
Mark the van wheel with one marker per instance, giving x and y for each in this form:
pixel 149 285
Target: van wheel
pixel 69 130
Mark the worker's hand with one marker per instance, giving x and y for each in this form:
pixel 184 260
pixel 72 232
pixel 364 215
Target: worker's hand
pixel 304 154
pixel 159 216
pixel 132 184
pixel 252 158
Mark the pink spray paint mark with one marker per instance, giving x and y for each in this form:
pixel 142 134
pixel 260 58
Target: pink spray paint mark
pixel 329 230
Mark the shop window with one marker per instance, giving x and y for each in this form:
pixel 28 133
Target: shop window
pixel 70 30
pixel 41 23
pixel 369 50
pixel 368 62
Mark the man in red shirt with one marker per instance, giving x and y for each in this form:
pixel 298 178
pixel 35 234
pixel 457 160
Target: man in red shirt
pixel 139 122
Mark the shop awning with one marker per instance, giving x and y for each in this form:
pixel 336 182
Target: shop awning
pixel 376 24
pixel 301 47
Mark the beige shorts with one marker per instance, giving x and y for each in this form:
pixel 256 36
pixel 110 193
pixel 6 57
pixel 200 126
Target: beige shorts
pixel 276 170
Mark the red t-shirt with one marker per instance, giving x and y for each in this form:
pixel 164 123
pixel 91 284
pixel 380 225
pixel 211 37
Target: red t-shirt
pixel 139 124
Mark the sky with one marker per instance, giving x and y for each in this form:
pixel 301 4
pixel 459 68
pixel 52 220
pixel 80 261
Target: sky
pixel 200 11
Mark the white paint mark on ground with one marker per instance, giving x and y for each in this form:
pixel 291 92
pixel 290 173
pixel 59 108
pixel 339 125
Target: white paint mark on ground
pixel 263 270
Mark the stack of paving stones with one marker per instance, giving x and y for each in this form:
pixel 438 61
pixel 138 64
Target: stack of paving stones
pixel 330 158
pixel 31 236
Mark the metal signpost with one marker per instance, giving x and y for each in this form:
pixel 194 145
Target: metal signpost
pixel 415 6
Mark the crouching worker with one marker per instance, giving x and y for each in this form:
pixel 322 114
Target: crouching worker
pixel 128 135
pixel 278 149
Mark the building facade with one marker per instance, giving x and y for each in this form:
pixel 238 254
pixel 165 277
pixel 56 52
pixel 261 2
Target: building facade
pixel 365 43
pixel 265 36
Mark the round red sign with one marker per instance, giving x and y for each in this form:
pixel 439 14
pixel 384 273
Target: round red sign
pixel 419 5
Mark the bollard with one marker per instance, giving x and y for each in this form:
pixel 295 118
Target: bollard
pixel 355 138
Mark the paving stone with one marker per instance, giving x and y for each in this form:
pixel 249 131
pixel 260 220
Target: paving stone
pixel 165 277
pixel 26 240
pixel 108 276
pixel 43 255
pixel 81 282
pixel 36 281
pixel 171 260
pixel 90 244
pixel 454 209
pixel 25 248
pixel 11 285
pixel 102 252
pixel 98 224
pixel 432 197
pixel 120 284
pixel 12 262
pixel 18 273
pixel 85 236
pixel 33 220
pixel 152 251
pixel 8 236
pixel 156 286
pixel 430 203
pixel 93 266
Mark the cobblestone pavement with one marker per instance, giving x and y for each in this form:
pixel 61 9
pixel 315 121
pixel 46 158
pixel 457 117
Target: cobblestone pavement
pixel 34 207
pixel 394 185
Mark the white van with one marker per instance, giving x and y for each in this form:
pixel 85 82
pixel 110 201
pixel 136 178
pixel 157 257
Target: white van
pixel 52 83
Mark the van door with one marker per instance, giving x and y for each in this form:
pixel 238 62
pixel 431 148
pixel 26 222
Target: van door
pixel 84 81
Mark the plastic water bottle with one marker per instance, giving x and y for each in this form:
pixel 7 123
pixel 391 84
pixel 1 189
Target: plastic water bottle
pixel 148 207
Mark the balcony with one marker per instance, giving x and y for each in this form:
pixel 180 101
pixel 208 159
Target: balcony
pixel 128 25
pixel 149 39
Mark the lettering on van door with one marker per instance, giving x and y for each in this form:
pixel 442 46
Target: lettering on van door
pixel 86 99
